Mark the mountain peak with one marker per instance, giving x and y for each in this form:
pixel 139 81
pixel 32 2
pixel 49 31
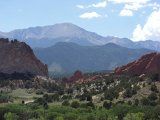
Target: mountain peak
pixel 60 32
pixel 66 25
pixel 46 36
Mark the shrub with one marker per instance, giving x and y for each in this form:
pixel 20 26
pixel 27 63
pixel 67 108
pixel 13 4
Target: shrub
pixel 152 96
pixel 145 101
pixel 91 117
pixel 70 116
pixel 155 77
pixel 59 118
pixel 130 92
pixel 40 101
pixel 90 104
pixel 10 116
pixel 154 88
pixel 66 103
pixel 86 96
pixel 75 104
pixel 107 105
pixel 66 97
pixel 129 102
pixel 39 92
pixel 4 98
pixel 136 102
pixel 45 105
pixel 120 116
pixel 111 93
pixel 134 116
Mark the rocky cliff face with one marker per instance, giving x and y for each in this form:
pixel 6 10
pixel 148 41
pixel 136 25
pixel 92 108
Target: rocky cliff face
pixel 147 64
pixel 18 57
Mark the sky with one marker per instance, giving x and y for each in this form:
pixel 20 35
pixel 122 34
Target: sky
pixel 134 19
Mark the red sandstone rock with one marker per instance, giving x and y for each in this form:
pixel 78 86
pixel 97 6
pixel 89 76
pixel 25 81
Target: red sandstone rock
pixel 147 64
pixel 76 76
pixel 18 57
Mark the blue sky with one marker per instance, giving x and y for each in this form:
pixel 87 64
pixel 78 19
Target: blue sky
pixel 136 19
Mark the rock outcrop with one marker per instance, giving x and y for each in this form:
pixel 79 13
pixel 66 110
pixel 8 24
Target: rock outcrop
pixel 75 77
pixel 18 57
pixel 147 64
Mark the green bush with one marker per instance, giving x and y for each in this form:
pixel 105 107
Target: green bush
pixel 154 88
pixel 65 103
pixel 145 101
pixel 129 102
pixel 107 105
pixel 91 117
pixel 155 77
pixel 152 96
pixel 136 102
pixel 4 98
pixel 59 118
pixel 70 116
pixel 10 116
pixel 90 104
pixel 75 104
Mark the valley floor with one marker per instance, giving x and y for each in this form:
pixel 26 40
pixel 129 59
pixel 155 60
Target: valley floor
pixel 97 97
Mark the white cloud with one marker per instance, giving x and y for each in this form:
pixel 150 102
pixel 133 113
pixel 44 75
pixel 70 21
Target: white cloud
pixel 136 4
pixel 80 6
pixel 130 6
pixel 125 12
pixel 151 29
pixel 133 6
pixel 102 4
pixel 154 5
pixel 129 1
pixel 138 33
pixel 90 15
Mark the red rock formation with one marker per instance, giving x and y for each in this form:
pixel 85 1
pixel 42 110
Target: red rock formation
pixel 18 57
pixel 147 64
pixel 79 78
pixel 76 76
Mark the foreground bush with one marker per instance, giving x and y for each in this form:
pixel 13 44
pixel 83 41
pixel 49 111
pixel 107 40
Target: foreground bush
pixel 75 104
pixel 56 112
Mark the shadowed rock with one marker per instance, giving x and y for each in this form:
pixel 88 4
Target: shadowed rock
pixel 18 57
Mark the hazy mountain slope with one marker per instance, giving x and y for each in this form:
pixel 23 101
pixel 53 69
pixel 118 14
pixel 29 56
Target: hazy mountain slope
pixel 121 41
pixel 125 42
pixel 45 36
pixel 153 45
pixel 65 32
pixel 68 57
pixel 2 35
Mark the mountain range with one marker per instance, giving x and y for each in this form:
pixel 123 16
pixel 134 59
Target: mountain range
pixel 68 57
pixel 46 36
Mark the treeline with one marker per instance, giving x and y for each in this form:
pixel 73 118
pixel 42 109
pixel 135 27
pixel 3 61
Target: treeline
pixel 16 76
pixel 78 111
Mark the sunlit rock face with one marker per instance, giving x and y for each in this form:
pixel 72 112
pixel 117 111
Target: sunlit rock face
pixel 147 64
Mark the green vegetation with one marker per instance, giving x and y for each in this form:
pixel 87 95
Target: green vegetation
pixel 107 97
pixel 120 111
pixel 4 98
